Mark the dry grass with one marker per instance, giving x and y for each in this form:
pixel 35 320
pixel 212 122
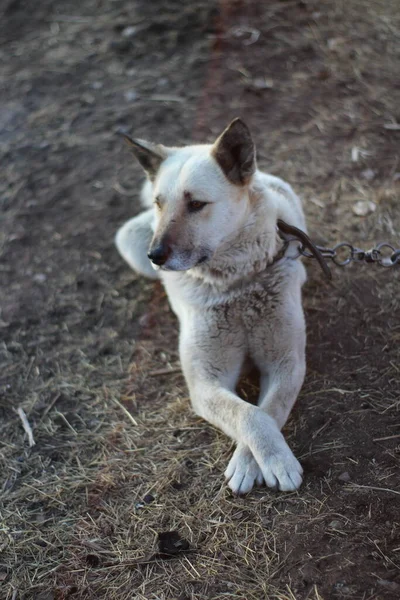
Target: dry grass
pixel 89 351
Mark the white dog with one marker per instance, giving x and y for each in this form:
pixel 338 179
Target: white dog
pixel 211 233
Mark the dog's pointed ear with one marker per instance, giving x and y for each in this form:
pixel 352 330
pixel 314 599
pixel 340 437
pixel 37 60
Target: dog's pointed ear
pixel 235 153
pixel 150 156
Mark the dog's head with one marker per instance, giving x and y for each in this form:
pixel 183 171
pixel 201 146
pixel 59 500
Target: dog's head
pixel 200 194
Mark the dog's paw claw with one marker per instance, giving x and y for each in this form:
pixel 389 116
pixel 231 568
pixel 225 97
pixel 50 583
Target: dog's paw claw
pixel 243 471
pixel 282 471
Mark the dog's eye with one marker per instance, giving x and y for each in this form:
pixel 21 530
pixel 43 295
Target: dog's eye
pixel 196 205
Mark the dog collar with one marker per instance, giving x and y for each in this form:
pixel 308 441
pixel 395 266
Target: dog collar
pixel 285 231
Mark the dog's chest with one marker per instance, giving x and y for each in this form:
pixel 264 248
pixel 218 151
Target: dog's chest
pixel 250 305
pixel 245 305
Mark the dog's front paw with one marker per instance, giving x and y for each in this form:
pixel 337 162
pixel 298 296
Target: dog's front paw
pixel 280 468
pixel 243 471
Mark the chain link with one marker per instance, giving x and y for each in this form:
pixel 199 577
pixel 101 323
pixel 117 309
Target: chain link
pixel 342 254
pixel 384 254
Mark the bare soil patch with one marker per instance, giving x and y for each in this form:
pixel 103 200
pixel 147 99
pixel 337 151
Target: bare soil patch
pixel 89 351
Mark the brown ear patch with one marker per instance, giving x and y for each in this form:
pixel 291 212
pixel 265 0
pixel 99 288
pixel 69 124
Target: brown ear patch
pixel 150 156
pixel 234 151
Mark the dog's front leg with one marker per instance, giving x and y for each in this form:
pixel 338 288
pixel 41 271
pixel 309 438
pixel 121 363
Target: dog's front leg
pixel 280 386
pixel 280 358
pixel 255 431
pixel 212 373
pixel 133 242
pixel 279 390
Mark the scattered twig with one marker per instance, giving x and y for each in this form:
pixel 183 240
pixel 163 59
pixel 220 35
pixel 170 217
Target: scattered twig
pixel 392 126
pixel 71 19
pixel 122 407
pixel 338 390
pixel 50 406
pixel 242 31
pixel 123 191
pixel 388 437
pixel 29 369
pixel 26 426
pixel 51 497
pixel 165 371
pixel 371 487
pixel 166 98
pixel 326 424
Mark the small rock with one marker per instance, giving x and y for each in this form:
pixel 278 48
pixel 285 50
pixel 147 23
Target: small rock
pixel 92 560
pixel 262 83
pixel 121 46
pixel 389 585
pixel 148 499
pixel 344 477
pixel 339 585
pixel 355 154
pixel 368 174
pixel 171 543
pixel 124 129
pixel 39 277
pixel 362 208
pixel 97 85
pixel 335 43
pixel 335 524
pixel 147 320
pixel 88 99
pixel 177 485
pixel 98 185
pixel 129 32
pixel 130 95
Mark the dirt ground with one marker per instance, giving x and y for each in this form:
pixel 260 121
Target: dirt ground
pixel 89 350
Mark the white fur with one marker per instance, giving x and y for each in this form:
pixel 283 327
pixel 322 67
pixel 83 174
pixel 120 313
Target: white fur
pixel 236 305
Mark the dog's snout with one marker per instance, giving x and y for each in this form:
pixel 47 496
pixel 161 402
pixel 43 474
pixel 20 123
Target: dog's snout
pixel 159 254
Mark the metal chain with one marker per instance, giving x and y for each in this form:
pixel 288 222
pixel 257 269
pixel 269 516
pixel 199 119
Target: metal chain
pixel 383 254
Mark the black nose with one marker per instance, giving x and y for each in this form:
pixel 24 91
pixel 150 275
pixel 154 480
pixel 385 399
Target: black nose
pixel 159 255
